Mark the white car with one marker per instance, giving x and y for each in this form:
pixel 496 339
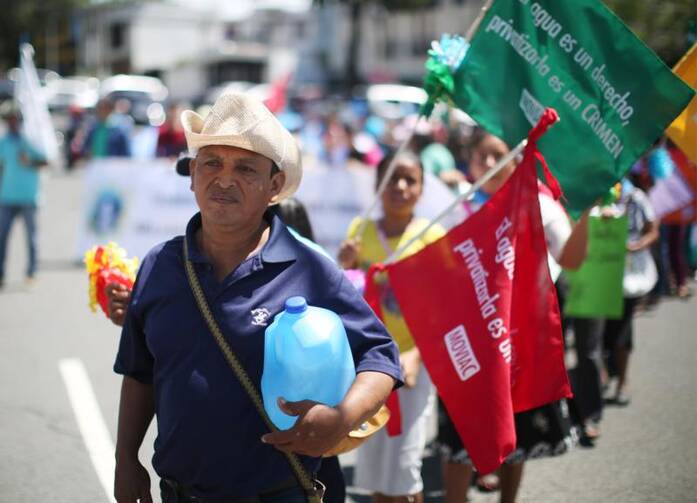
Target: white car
pixel 259 91
pixel 146 95
pixel 394 101
pixel 63 93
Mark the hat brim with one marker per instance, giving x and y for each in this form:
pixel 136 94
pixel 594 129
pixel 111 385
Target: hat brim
pixel 193 122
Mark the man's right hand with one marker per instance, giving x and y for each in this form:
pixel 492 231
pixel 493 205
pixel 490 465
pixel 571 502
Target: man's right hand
pixel 131 482
pixel 119 296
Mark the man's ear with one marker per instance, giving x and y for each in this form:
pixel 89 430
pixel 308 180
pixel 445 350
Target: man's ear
pixel 277 182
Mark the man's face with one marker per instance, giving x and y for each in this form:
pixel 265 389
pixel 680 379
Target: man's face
pixel 233 186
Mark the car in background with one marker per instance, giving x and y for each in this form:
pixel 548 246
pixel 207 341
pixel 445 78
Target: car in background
pixel 7 89
pixel 262 92
pixel 63 93
pixel 10 79
pixel 214 92
pixel 146 96
pixel 394 101
pixel 45 76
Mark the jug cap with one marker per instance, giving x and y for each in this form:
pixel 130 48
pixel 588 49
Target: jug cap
pixel 296 304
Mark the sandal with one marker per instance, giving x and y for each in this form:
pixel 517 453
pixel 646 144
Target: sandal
pixel 684 292
pixel 591 430
pixel 621 399
pixel 488 483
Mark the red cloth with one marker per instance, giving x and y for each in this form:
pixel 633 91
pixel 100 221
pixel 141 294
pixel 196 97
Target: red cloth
pixel 481 306
pixel 277 99
pixel 171 141
pixel 372 297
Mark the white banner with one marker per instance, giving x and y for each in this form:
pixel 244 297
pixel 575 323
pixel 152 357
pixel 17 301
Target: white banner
pixel 139 204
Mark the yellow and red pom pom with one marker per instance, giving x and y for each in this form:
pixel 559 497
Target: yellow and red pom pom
pixel 108 264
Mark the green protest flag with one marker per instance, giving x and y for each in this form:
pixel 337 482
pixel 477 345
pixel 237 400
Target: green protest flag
pixel 595 290
pixel 613 94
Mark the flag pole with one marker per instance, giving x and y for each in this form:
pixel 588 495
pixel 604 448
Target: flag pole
pixel 385 180
pixel 462 197
pixel 475 25
pixel 392 166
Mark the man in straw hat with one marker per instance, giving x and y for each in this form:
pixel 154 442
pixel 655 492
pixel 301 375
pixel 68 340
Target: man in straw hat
pixel 212 444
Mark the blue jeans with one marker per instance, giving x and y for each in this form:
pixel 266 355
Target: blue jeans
pixel 7 216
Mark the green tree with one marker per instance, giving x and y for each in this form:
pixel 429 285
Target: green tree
pixel 355 8
pixel 664 26
pixel 31 21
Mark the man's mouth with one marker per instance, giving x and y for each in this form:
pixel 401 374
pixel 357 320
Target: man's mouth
pixel 223 198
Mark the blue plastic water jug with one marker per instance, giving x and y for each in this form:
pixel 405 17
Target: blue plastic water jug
pixel 306 357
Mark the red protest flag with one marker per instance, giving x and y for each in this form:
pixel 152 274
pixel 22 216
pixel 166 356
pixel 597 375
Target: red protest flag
pixel 278 96
pixel 372 297
pixel 485 316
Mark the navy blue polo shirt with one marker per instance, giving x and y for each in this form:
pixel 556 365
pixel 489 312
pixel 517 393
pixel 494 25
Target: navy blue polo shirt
pixel 208 430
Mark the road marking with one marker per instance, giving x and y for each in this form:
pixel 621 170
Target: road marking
pixel 90 421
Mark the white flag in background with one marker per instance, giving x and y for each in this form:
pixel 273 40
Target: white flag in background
pixel 37 126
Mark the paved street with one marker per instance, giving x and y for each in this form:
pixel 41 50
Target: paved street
pixel 54 350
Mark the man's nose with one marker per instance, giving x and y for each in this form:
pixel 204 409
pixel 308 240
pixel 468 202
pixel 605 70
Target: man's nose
pixel 226 177
pixel 401 184
pixel 490 161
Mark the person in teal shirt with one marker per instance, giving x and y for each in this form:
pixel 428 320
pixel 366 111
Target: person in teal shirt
pixel 105 138
pixel 19 188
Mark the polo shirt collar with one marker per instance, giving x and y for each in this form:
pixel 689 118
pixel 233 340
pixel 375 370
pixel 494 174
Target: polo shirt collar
pixel 281 245
pixel 194 225
pixel 279 248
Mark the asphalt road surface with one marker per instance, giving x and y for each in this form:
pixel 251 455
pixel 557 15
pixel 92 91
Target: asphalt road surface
pixel 59 397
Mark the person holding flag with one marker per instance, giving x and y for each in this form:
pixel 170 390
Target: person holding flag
pixel 389 464
pixel 19 187
pixel 544 430
pixel 505 344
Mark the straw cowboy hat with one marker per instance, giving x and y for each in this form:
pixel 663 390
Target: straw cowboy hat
pixel 238 120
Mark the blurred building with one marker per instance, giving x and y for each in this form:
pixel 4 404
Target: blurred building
pixel 145 38
pixel 393 45
pixel 192 50
pixel 189 49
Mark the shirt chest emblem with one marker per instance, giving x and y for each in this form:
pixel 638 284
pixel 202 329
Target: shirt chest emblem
pixel 260 316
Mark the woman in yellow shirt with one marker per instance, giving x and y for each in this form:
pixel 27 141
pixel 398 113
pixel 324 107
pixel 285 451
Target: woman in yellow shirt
pixel 390 467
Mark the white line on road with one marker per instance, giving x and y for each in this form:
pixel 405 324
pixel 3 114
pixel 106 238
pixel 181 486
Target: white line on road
pixel 90 421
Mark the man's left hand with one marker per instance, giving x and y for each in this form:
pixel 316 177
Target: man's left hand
pixel 317 430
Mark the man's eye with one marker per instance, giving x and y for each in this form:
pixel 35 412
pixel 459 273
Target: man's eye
pixel 245 169
pixel 212 163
